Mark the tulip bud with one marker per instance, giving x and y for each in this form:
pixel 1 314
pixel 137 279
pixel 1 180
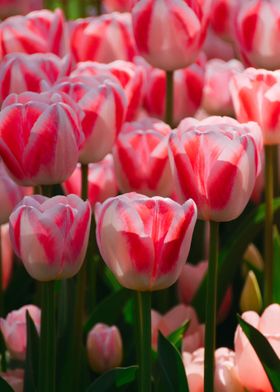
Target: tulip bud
pixel 50 235
pixel 251 298
pixel 13 328
pixel 252 258
pixel 104 348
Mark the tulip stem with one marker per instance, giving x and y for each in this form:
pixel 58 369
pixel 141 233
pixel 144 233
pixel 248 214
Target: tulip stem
pixel 47 360
pixel 98 5
pixel 268 226
pixel 143 320
pixel 169 99
pixel 48 4
pixel 1 277
pixel 211 308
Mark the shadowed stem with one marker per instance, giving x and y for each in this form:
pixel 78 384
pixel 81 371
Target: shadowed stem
pixel 98 5
pixel 143 320
pixel 211 308
pixel 1 277
pixel 169 99
pixel 268 226
pixel 47 361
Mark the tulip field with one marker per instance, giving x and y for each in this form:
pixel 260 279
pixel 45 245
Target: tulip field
pixel 139 196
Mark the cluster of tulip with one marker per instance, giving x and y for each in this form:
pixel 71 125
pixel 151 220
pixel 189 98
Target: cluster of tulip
pixel 135 137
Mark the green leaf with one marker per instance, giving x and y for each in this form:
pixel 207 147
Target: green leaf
pixel 265 352
pixel 114 379
pixel 176 336
pixel 276 266
pixel 231 255
pixel 32 356
pixel 173 375
pixel 109 310
pixel 4 386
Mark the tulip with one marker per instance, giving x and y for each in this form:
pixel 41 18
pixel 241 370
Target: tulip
pixel 226 378
pixel 216 93
pixel 171 45
pixel 223 16
pixel 249 368
pixel 15 378
pixel 216 48
pixel 187 92
pixel 258 40
pixel 101 181
pixel 14 7
pixel 141 158
pixel 220 183
pixel 13 329
pixel 103 39
pixel 251 298
pixel 38 32
pixel 104 105
pixel 189 282
pixel 50 235
pixel 104 348
pixel 175 318
pixel 47 130
pixel 119 5
pixel 20 72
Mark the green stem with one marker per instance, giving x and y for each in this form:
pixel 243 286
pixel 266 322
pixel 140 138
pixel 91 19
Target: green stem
pixel 211 308
pixel 143 320
pixel 82 8
pixel 1 277
pixel 169 99
pixel 275 171
pixel 47 361
pixel 92 259
pixel 46 190
pixel 268 226
pixel 48 4
pixel 80 302
pixel 98 5
pixel 64 4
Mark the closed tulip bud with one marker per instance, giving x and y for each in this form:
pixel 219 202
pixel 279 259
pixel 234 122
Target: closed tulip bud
pixel 258 40
pixel 50 235
pixel 252 258
pixel 104 348
pixel 141 158
pixel 119 5
pixel 103 39
pixel 20 72
pixel 256 97
pixel 48 134
pixel 15 378
pixel 13 329
pixel 175 44
pixel 216 162
pixel 216 94
pixel 102 182
pixel 104 105
pixel 144 241
pixel 251 298
pixel 38 32
pixel 187 94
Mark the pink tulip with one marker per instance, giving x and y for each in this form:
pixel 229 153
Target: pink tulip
pixel 216 162
pixel 216 95
pixel 38 32
pixel 249 367
pixel 10 194
pixel 20 72
pixel 103 39
pixel 50 235
pixel 175 44
pixel 225 379
pixel 48 135
pixel 187 96
pixel 258 33
pixel 14 7
pixel 144 241
pixel 255 95
pixel 175 318
pixel 119 5
pixel 223 16
pixel 15 378
pixel 101 181
pixel 216 48
pixel 13 329
pixel 7 255
pixel 141 158
pixel 104 348
pixel 189 282
pixel 104 104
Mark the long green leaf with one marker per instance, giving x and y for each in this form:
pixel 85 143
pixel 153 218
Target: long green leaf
pixel 32 356
pixel 173 375
pixel 264 351
pixel 176 336
pixel 114 380
pixel 109 310
pixel 4 386
pixel 231 255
